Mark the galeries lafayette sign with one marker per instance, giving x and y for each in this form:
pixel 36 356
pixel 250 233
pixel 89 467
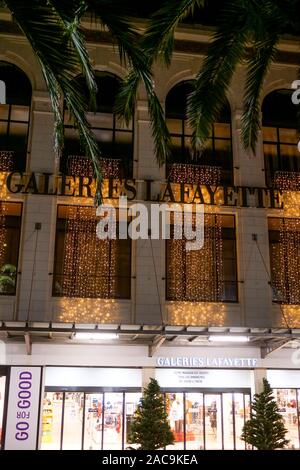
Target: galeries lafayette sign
pixel 145 190
pixel 203 361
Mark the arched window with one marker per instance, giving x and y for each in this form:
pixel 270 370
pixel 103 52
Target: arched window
pixel 215 161
pixel 14 116
pixel 114 138
pixel 280 136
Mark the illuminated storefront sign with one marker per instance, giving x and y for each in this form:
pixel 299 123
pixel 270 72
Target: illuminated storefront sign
pixel 23 408
pixel 147 190
pixel 202 361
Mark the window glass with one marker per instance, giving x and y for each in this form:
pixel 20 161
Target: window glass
pixel 217 151
pixel 175 410
pixel 86 266
pixel 194 421
pixel 284 246
pixel 10 228
pixel 113 143
pixel 93 424
pixel 216 280
pixel 279 125
pixel 113 421
pixel 73 419
pixel 52 421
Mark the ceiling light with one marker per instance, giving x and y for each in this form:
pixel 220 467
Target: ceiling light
pixel 228 339
pixel 96 336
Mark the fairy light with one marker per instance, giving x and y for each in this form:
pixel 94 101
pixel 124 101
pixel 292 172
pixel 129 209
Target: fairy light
pixel 286 282
pixel 80 165
pixel 89 264
pixel 291 316
pixel 6 165
pixel 287 180
pixel 197 275
pixel 191 313
pixel 88 310
pixel 286 256
pixel 194 174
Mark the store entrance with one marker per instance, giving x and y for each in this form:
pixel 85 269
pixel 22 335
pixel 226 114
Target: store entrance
pixel 209 419
pixel 90 420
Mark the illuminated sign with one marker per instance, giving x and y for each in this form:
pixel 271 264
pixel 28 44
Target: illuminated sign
pixel 146 190
pixel 203 361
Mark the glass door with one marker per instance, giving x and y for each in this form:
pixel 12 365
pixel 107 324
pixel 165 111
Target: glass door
pixel 131 402
pixel 213 421
pixel 228 421
pixel 175 410
pixel 52 420
pixel 241 405
pixel 194 421
pixel 72 421
pixel 113 421
pixel 93 421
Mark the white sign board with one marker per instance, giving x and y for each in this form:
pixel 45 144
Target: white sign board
pixel 203 361
pixel 284 378
pixel 92 377
pixel 23 408
pixel 207 378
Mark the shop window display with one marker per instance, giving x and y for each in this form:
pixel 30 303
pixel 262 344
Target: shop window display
pixel 84 420
pixel 288 403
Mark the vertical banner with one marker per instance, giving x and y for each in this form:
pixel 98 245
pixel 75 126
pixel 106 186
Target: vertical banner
pixel 23 408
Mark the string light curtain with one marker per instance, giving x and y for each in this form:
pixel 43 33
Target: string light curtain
pixel 89 264
pixel 6 165
pixel 197 275
pixel 194 174
pixel 79 165
pixel 287 180
pixel 285 262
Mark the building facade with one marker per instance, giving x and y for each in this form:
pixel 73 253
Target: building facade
pixel 164 311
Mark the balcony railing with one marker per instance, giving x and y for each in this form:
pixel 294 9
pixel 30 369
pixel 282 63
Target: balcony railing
pixel 6 160
pixel 287 180
pixel 79 165
pixel 194 174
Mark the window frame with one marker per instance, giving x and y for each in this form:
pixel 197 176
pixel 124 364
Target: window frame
pixel 57 295
pixel 236 301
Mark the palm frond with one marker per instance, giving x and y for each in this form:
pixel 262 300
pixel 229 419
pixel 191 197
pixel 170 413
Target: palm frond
pixel 71 12
pixel 212 82
pixel 113 14
pixel 128 42
pixel 159 36
pixel 58 58
pixel 264 53
pixel 274 21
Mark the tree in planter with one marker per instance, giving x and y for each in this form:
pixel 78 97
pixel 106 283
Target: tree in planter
pixel 150 428
pixel 265 430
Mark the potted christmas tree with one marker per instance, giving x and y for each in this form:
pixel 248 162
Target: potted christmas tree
pixel 150 428
pixel 265 429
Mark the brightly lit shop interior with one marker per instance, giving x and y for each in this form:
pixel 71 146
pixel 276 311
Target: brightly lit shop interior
pixel 99 417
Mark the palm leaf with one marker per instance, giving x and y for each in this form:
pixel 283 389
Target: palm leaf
pixel 71 12
pixel 274 21
pixel 159 37
pixel 212 82
pixel 46 32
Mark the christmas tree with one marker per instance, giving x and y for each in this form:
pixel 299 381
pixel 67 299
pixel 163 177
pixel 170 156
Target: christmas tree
pixel 265 430
pixel 150 428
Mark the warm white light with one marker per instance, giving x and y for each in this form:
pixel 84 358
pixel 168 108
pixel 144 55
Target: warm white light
pixel 228 339
pixel 96 335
